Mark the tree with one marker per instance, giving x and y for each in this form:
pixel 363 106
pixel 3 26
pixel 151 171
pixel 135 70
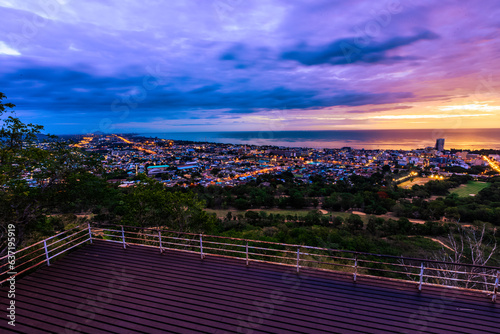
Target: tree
pixel 19 205
pixel 337 221
pixel 283 202
pixel 297 200
pixel 252 216
pixel 15 133
pixel 241 204
pixel 404 225
pixel 452 214
pixel 354 222
pixel 375 224
pixel 468 245
pixel 83 191
pixel 436 208
pixel 4 106
pixel 391 227
pixel 313 217
pixel 150 205
pixel 31 176
pixel 332 202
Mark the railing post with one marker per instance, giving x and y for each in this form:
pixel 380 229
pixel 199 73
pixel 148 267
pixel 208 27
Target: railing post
pixel 159 238
pixel 46 252
pixel 201 247
pixel 421 276
pixel 123 239
pixel 298 259
pixel 247 252
pixel 495 287
pixel 355 266
pixel 90 233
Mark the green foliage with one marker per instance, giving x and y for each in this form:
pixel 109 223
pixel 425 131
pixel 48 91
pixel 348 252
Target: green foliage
pixel 297 199
pixel 404 226
pixel 375 224
pixel 15 133
pixel 4 106
pixel 452 213
pixel 313 218
pixel 242 204
pixel 485 206
pixel 18 202
pixel 83 191
pixel 252 216
pixel 354 223
pixel 149 204
pixel 338 221
pixel 33 179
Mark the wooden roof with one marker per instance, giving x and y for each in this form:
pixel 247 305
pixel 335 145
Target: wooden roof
pixel 102 288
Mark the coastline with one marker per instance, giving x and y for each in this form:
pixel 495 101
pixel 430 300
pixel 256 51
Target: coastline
pixel 357 139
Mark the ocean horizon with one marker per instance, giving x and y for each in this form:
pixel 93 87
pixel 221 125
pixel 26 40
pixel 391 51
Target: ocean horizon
pixel 358 139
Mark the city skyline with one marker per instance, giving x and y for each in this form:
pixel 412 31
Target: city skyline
pixel 231 65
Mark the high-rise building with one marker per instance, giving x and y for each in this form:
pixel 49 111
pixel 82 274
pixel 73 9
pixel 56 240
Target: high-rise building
pixel 440 144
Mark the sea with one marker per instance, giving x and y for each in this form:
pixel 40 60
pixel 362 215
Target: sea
pixel 467 139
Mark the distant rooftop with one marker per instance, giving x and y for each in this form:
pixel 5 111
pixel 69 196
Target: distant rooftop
pixel 158 166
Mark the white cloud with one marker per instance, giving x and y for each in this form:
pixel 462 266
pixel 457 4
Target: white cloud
pixel 421 116
pixel 5 49
pixel 478 107
pixel 52 10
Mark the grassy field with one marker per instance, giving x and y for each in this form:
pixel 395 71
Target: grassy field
pixel 417 180
pixel 223 213
pixel 473 187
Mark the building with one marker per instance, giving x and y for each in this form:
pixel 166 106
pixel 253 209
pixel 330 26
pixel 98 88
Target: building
pixel 283 153
pixel 440 144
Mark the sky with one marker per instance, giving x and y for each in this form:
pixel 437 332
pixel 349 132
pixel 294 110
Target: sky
pixel 234 65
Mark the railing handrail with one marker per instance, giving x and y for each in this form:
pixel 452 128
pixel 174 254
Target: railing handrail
pixel 280 256
pixel 45 250
pixel 319 248
pixel 180 241
pixel 39 242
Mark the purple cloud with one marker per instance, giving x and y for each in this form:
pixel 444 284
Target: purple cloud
pixel 346 51
pixel 106 62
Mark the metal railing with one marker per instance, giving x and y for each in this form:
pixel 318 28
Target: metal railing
pixel 420 271
pixel 28 258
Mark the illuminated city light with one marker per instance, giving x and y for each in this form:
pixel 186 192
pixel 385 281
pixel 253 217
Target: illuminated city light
pixel 493 164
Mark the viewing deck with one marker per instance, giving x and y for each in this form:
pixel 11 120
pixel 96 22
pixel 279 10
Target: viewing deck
pixel 103 288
